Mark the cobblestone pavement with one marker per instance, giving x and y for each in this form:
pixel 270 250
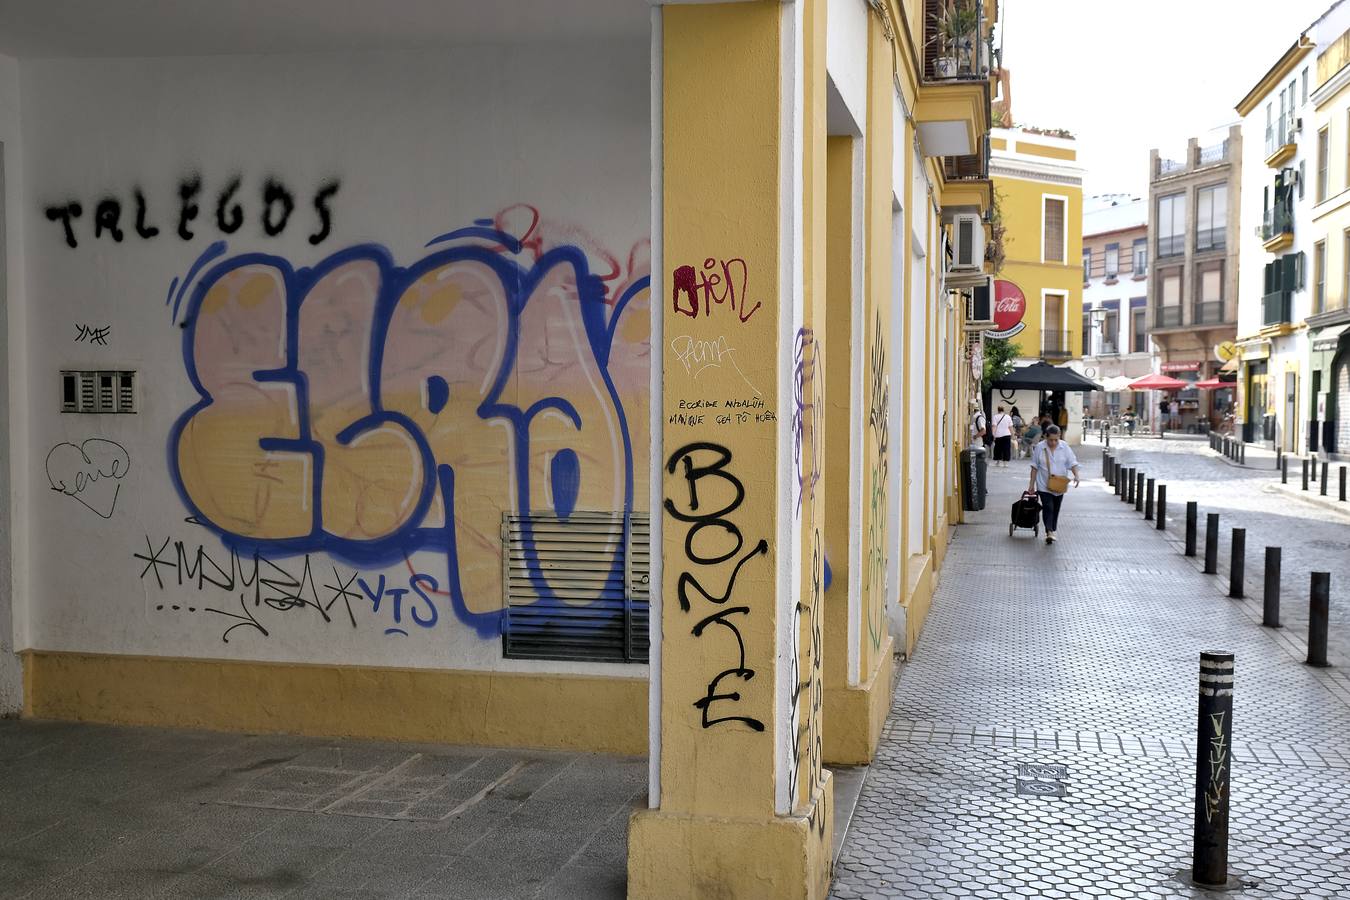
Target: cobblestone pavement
pixel 99 812
pixel 1311 537
pixel 1084 655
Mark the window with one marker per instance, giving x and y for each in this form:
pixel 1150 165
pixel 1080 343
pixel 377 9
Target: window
pixel 1111 332
pixel 1209 295
pixel 1140 257
pixel 1211 217
pixel 1171 289
pixel 1112 260
pixel 1053 243
pixel 1345 286
pixel 1087 264
pixel 1319 276
pixel 1323 151
pixel 1305 85
pixel 1270 129
pixel 1302 177
pixel 1138 331
pixel 1172 225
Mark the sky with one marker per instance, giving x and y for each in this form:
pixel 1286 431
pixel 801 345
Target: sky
pixel 1126 77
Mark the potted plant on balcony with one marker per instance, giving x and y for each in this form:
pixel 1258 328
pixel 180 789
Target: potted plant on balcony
pixel 955 27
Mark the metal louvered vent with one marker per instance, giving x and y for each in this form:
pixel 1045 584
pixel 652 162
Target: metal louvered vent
pixel 576 587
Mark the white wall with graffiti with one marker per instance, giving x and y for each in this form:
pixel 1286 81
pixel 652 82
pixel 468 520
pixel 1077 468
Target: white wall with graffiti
pixel 372 302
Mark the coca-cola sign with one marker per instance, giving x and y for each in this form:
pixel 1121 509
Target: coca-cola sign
pixel 1010 306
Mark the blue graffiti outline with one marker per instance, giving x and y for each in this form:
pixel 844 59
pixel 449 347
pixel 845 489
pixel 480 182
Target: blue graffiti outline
pixel 519 284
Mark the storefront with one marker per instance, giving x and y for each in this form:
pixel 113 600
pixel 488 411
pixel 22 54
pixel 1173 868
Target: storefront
pixel 1329 371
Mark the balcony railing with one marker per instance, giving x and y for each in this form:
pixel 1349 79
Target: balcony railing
pixel 1168 166
pixel 1208 312
pixel 1277 220
pixel 1210 239
pixel 1056 344
pixel 1276 307
pixel 974 166
pixel 1215 153
pixel 1109 348
pixel 1168 317
pixel 1171 245
pixel 1279 133
pixel 950 57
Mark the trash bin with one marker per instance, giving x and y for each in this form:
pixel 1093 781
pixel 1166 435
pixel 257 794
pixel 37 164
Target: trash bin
pixel 972 478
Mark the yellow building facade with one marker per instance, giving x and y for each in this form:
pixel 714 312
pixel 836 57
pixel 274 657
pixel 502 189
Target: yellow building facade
pixel 1039 293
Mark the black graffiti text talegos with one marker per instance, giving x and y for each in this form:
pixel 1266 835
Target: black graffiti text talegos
pixel 191 203
pixel 704 466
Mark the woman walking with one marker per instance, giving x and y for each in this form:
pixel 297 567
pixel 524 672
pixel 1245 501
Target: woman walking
pixel 1052 461
pixel 1003 431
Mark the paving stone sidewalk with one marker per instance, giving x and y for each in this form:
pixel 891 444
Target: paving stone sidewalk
pixel 1084 655
pixel 100 812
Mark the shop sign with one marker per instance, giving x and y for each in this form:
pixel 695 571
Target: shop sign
pixel 1181 367
pixel 1010 307
pixel 1323 345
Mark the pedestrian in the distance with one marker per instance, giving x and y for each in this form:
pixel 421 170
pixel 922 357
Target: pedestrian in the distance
pixel 1052 462
pixel 1031 436
pixel 1003 434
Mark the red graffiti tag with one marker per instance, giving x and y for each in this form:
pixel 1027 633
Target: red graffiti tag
pixel 720 282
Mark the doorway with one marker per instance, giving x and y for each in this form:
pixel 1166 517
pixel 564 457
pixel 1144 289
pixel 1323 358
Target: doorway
pixel 1290 438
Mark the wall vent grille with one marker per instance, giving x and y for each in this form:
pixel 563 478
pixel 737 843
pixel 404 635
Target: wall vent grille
pixel 595 567
pixel 98 391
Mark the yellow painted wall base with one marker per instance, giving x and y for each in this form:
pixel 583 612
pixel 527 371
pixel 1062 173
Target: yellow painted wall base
pixel 941 540
pixel 854 716
pixel 565 712
pixel 919 600
pixel 682 857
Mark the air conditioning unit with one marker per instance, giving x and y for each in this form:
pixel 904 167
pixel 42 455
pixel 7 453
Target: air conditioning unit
pixel 967 243
pixel 980 306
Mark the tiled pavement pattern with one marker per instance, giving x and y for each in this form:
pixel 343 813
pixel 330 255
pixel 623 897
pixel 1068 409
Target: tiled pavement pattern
pixel 101 812
pixel 1084 655
pixel 1310 537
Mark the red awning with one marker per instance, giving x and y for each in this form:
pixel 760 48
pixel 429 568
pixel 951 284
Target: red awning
pixel 1158 383
pixel 1213 384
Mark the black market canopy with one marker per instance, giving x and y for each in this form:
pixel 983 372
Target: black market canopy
pixel 1041 376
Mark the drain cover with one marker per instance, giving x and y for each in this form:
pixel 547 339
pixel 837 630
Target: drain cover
pixel 1031 787
pixel 1051 771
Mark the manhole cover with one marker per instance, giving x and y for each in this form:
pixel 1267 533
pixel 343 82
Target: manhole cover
pixel 1031 787
pixel 1052 771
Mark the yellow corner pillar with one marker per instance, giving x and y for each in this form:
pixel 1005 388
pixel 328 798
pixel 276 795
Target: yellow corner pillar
pixel 739 804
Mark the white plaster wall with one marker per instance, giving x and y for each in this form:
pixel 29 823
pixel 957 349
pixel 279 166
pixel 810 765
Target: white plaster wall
pixel 422 143
pixel 11 286
pixel 845 56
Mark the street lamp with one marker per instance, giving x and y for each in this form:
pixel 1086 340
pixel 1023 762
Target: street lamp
pixel 1097 324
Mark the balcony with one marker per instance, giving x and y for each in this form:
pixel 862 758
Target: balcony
pixel 1056 345
pixel 1167 317
pixel 1170 166
pixel 958 42
pixel 1171 245
pixel 1277 308
pixel 1210 239
pixel 1211 155
pixel 1208 312
pixel 1277 228
pixel 1280 146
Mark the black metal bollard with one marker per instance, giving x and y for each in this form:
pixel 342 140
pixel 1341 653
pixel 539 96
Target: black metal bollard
pixel 1242 454
pixel 1213 765
pixel 1192 515
pixel 1108 439
pixel 1342 471
pixel 1129 484
pixel 1106 464
pixel 1279 457
pixel 1270 600
pixel 1314 470
pixel 1319 613
pixel 1212 544
pixel 1139 480
pixel 1305 474
pixel 1150 486
pixel 1237 563
pixel 1323 489
pixel 1162 507
pixel 1284 471
pixel 1117 476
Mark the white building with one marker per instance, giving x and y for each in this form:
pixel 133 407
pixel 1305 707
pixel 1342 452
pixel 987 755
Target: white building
pixel 1286 188
pixel 1116 344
